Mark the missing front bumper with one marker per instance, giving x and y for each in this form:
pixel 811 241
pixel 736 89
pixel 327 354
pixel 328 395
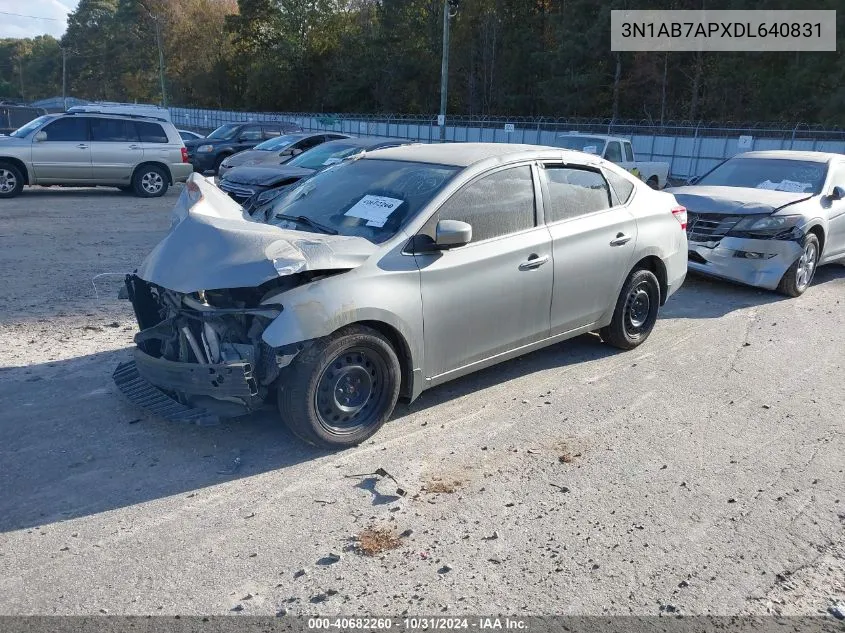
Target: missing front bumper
pixel 224 380
pixel 150 398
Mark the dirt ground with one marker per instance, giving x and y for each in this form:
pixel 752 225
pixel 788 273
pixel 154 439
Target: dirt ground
pixel 699 474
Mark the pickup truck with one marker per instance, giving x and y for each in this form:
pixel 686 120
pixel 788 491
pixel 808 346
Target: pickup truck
pixel 617 150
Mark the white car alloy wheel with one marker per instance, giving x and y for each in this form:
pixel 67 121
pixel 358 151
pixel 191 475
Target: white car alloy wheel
pixel 8 181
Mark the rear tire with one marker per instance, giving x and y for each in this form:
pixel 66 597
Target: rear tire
pixel 11 180
pixel 636 311
pixel 150 181
pixel 342 389
pixel 799 276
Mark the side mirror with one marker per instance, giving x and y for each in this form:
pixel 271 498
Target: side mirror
pixel 295 152
pixel 286 152
pixel 40 136
pixel 452 233
pixel 838 193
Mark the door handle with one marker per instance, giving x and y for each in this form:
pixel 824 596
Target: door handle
pixel 82 146
pixel 621 240
pixel 534 261
pixel 134 147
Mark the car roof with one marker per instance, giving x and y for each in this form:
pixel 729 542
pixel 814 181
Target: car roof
pixel 603 137
pixel 816 157
pixel 115 115
pixel 364 141
pixel 466 154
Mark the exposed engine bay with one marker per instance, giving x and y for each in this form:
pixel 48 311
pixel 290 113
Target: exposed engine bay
pixel 209 342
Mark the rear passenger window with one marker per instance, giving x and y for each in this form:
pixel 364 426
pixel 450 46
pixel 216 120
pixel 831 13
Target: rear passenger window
pixel 574 192
pixel 622 187
pixel 495 205
pixel 629 153
pixel 151 132
pixel 114 130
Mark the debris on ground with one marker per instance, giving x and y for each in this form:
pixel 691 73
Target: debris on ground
pixel 331 559
pixel 559 487
pixel 441 486
pixel 374 541
pixel 445 569
pixel 300 573
pixel 381 472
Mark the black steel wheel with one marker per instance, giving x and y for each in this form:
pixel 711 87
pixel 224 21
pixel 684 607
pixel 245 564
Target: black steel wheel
pixel 342 389
pixel 636 311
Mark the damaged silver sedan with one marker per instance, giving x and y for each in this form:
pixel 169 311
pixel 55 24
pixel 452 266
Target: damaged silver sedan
pixel 391 273
pixel 767 219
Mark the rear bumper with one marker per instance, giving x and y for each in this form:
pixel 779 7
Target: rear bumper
pixel 760 263
pixel 181 171
pixel 203 162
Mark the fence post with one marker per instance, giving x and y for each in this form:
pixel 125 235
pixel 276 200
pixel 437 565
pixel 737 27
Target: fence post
pixel 697 148
pixel 795 129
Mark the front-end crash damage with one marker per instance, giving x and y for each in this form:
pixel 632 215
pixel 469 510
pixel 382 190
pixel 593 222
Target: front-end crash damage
pixel 203 299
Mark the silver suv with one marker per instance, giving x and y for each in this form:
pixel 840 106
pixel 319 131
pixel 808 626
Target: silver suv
pixel 142 154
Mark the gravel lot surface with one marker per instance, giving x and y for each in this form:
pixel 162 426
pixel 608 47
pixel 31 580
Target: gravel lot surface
pixel 699 474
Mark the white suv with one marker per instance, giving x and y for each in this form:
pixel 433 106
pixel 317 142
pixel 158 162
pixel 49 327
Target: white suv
pixel 137 153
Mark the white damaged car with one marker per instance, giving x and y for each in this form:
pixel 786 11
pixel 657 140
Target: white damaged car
pixel 767 219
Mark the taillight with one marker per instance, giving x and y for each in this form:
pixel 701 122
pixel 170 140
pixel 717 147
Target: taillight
pixel 184 154
pixel 680 214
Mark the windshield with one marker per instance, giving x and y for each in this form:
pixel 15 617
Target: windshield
pixel 588 144
pixel 324 155
pixel 796 176
pixel 32 125
pixel 280 142
pixel 224 131
pixel 367 198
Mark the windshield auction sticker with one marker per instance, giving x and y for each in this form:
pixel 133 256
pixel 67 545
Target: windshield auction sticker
pixel 752 30
pixel 375 209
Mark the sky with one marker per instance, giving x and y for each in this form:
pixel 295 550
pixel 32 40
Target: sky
pixel 18 26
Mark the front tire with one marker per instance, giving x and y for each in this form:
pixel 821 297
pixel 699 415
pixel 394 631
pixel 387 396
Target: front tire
pixel 342 389
pixel 636 311
pixel 150 181
pixel 11 180
pixel 653 183
pixel 799 276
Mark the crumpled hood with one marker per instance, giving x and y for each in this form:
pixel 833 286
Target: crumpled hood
pixel 266 175
pixel 214 244
pixel 734 200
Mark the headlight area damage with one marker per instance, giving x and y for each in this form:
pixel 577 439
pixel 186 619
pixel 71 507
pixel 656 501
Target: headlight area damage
pixel 200 355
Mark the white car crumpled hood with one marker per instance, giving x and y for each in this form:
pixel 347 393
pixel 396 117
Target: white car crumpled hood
pixel 214 244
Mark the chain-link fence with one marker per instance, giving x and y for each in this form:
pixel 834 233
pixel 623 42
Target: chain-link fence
pixel 690 147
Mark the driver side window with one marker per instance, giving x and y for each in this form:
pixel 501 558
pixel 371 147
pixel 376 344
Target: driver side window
pixel 613 153
pixel 495 205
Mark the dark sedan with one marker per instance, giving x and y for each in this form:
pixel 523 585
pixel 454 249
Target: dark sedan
pixel 242 183
pixel 206 154
pixel 277 151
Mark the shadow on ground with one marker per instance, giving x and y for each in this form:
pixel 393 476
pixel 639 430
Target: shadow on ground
pixel 72 446
pixel 706 298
